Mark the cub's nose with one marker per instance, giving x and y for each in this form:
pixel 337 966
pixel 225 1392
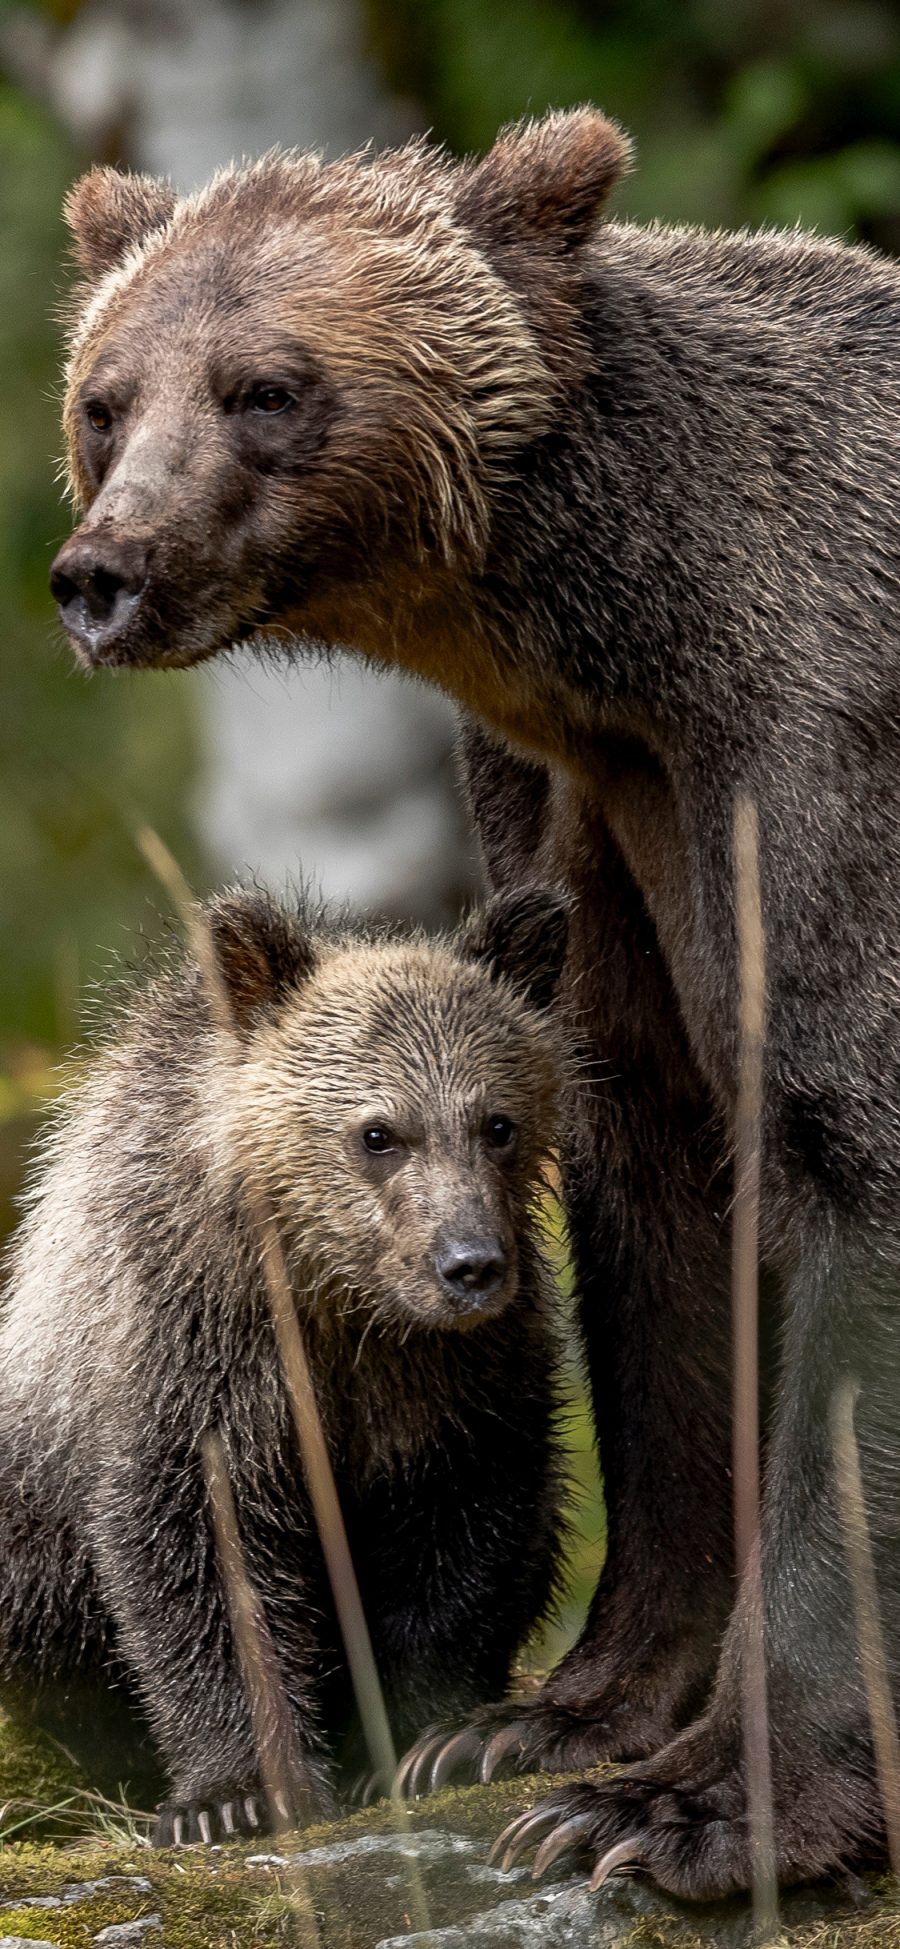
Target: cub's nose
pixel 98 586
pixel 471 1268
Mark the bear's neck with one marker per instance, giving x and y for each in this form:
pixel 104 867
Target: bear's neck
pixel 634 548
pixel 386 1392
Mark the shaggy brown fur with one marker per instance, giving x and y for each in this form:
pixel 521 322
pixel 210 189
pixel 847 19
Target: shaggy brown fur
pixel 395 1101
pixel 632 496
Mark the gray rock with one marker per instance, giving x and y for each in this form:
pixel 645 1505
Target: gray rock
pixel 122 1932
pixel 426 1845
pixel 37 1901
pixel 25 1942
pixel 84 1891
pixel 560 1918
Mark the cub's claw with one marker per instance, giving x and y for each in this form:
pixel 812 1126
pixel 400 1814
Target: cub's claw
pixel 207 1822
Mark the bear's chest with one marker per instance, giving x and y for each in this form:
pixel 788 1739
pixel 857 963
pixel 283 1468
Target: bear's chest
pixel 650 868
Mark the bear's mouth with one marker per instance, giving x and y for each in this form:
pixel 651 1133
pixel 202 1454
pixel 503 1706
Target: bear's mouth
pixel 422 1306
pixel 142 641
pixel 140 656
pixel 466 1313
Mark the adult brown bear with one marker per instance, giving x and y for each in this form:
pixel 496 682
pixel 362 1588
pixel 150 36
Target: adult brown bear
pixel 631 496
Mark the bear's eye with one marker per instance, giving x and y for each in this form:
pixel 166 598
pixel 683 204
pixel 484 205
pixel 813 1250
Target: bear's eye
pixel 499 1132
pixel 98 416
pixel 270 399
pixel 378 1138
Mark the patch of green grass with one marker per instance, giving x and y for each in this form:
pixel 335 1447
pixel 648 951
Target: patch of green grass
pixel 82 763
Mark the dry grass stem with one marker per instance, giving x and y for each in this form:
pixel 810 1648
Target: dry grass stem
pixel 301 1393
pixel 745 1316
pixel 280 1763
pixel 858 1544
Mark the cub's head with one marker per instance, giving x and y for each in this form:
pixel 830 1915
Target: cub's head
pixel 394 1101
pixel 305 383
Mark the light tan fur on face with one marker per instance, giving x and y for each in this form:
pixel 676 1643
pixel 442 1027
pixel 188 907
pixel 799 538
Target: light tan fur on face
pixel 411 1037
pixel 364 262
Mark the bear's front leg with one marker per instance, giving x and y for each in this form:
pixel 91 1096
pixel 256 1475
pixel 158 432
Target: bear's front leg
pixel 653 1274
pixel 647 1197
pixel 682 1816
pixel 162 1581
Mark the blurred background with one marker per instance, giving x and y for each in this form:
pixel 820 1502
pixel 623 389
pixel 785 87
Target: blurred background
pixel 744 111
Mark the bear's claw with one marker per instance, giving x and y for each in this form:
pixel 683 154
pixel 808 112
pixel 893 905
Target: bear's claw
pixel 498 1747
pixel 440 1750
pixel 566 1834
pixel 625 1854
pixel 187 1823
pixel 520 1833
pixel 373 1785
pixel 415 1765
pixel 463 1747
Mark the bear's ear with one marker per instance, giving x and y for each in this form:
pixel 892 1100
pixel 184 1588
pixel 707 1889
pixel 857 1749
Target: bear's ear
pixel 261 952
pixel 522 936
pixel 549 179
pixel 108 211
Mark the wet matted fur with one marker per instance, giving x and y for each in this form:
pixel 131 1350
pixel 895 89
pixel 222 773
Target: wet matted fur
pixel 394 1103
pixel 631 496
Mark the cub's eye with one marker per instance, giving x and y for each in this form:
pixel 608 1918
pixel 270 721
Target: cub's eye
pixel 271 399
pixel 98 416
pixel 499 1132
pixel 378 1138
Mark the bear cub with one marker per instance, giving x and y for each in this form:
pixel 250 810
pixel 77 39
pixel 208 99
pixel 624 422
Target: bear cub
pixel 395 1100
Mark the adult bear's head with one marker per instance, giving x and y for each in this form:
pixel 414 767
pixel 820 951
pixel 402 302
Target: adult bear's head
pixel 293 397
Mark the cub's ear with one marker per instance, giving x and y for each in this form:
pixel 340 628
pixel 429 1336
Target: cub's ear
pixel 260 952
pixel 549 178
pixel 107 211
pixel 522 936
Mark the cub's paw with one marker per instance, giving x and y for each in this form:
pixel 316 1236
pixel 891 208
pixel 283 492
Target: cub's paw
pixel 512 1738
pixel 212 1818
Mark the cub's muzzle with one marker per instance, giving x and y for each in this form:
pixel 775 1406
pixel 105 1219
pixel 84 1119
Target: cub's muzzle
pixel 98 583
pixel 470 1271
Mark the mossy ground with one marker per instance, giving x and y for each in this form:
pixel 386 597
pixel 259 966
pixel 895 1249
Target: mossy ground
pixel 347 1885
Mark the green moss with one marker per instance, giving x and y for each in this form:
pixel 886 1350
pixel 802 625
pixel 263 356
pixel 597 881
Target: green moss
pixel 351 1897
pixel 340 1885
pixel 35 1778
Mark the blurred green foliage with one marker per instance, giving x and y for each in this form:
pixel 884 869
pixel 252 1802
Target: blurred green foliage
pixel 743 111
pixel 80 762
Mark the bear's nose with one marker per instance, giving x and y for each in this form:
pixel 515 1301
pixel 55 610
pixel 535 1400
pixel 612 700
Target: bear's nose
pixel 98 586
pixel 470 1268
